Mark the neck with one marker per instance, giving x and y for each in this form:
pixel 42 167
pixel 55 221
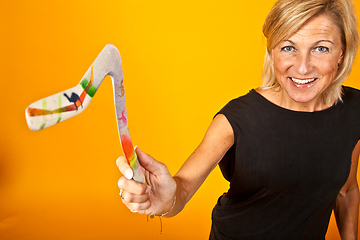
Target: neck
pixel 281 99
pixel 284 101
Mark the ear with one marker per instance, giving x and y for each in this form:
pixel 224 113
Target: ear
pixel 341 59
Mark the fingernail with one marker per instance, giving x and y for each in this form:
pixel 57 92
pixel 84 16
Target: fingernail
pixel 128 173
pixel 136 147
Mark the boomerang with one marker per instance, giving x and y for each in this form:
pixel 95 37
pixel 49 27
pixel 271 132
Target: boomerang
pixel 61 106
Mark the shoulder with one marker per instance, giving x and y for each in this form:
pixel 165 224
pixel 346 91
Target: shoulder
pixel 350 92
pixel 350 96
pixel 245 100
pixel 256 100
pixel 245 110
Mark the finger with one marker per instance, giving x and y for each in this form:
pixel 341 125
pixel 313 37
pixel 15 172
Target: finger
pixel 149 163
pixel 141 208
pixel 133 186
pixel 124 167
pixel 133 198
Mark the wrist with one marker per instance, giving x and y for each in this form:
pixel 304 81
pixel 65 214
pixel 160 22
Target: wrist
pixel 171 208
pixel 165 213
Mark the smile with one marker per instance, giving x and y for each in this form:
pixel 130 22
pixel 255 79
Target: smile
pixel 304 81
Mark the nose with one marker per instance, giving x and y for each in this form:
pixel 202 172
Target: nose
pixel 303 64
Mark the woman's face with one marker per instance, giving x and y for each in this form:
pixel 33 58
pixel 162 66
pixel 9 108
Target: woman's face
pixel 307 62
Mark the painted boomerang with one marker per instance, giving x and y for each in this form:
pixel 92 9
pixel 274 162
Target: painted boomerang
pixel 59 107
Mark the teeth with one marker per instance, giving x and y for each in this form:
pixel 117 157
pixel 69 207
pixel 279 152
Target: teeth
pixel 299 81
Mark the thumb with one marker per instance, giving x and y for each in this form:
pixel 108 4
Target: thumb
pixel 149 163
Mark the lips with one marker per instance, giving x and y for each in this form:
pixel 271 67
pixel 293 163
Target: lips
pixel 303 81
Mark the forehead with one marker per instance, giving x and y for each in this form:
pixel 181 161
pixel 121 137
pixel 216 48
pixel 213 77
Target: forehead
pixel 317 28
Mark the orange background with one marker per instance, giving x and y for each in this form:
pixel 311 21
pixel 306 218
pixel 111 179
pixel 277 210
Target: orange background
pixel 182 61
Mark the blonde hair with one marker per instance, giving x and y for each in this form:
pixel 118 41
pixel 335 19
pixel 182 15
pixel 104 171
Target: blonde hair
pixel 287 17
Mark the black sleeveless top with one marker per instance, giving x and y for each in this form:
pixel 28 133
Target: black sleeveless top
pixel 285 168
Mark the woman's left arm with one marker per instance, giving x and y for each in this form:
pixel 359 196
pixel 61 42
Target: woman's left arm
pixel 347 203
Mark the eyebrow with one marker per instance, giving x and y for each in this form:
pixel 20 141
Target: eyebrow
pixel 316 43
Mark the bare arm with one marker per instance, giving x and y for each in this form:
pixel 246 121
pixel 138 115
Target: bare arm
pixel 347 203
pixel 217 141
pixel 158 196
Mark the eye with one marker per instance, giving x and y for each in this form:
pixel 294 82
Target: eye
pixel 288 49
pixel 322 49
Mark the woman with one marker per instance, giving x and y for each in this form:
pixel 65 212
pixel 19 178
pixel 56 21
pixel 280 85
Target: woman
pixel 289 148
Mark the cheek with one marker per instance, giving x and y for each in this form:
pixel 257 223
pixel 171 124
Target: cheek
pixel 281 65
pixel 327 66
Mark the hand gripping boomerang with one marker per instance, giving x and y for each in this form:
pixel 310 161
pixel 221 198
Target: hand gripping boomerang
pixel 56 108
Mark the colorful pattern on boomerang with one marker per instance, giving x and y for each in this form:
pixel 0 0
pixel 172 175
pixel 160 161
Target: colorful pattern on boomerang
pixel 59 107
